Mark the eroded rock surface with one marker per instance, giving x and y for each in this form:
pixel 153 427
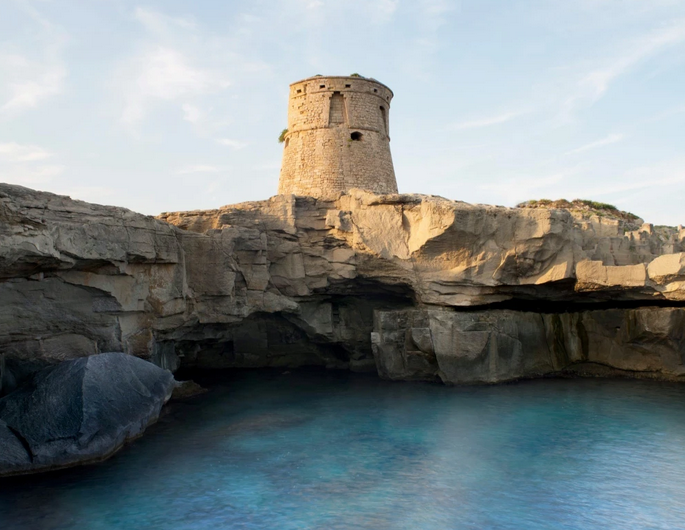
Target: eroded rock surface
pixel 80 411
pixel 292 280
pixel 499 345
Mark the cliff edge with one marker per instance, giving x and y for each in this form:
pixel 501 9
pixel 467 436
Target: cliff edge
pixel 410 286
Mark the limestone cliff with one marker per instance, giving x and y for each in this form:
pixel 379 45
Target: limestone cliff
pixel 293 281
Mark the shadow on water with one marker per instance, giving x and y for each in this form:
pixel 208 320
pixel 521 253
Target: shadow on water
pixel 326 449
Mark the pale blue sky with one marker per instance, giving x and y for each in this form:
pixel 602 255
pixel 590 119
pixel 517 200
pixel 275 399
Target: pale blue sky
pixel 170 105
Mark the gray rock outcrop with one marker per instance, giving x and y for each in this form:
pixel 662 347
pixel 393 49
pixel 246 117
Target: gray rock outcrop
pixel 499 345
pixel 80 411
pixel 294 280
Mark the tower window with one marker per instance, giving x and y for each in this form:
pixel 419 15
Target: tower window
pixel 299 91
pixel 348 86
pixel 384 119
pixel 337 109
pixel 375 90
pixel 356 136
pixel 322 86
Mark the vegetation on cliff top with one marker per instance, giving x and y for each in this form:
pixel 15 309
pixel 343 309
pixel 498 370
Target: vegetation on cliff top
pixel 600 209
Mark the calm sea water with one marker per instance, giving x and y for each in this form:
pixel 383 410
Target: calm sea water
pixel 324 450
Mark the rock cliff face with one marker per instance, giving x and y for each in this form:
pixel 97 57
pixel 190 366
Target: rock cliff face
pixel 499 345
pixel 446 290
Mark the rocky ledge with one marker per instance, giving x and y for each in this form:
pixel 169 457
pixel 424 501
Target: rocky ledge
pixel 410 286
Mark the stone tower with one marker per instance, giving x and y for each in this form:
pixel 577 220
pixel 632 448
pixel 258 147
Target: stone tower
pixel 337 137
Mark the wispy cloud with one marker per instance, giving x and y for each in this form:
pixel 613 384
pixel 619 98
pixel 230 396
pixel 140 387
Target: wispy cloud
pixel 215 185
pixel 419 50
pixel 437 9
pixel 487 121
pixel 640 189
pixel 199 168
pixel 192 113
pixel 181 69
pixel 14 152
pixel 519 187
pixel 661 175
pixel 93 194
pixel 28 77
pixel 24 164
pixel 29 175
pixel 157 22
pixel 205 121
pixel 654 191
pixel 165 74
pixel 388 7
pixel 611 139
pixel 233 144
pixel 594 83
pixel 379 11
pixel 680 109
pixel 268 166
pixel 28 82
pixel 313 4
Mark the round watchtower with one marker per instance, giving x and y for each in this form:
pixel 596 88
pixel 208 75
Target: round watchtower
pixel 337 137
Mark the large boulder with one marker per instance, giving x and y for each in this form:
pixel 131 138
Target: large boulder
pixel 80 411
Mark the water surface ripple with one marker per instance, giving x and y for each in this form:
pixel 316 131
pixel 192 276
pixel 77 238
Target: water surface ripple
pixel 326 450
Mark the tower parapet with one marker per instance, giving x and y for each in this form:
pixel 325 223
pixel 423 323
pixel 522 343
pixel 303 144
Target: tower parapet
pixel 338 137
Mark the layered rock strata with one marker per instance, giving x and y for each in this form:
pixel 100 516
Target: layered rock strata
pixel 293 281
pixel 500 345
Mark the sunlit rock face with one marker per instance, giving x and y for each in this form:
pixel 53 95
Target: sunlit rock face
pixel 296 281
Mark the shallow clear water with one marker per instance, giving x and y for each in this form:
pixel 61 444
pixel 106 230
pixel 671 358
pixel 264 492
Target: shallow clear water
pixel 331 450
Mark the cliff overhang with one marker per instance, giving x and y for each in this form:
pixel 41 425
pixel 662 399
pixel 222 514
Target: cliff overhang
pixel 409 286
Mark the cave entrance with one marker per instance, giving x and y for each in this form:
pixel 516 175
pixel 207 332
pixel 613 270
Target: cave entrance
pixel 329 331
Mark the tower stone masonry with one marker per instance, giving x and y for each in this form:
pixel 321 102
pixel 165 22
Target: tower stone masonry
pixel 338 137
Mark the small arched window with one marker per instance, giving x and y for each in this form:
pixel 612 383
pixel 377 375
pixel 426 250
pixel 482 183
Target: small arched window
pixel 356 136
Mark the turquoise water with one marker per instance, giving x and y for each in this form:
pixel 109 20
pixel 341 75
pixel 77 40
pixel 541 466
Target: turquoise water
pixel 326 450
